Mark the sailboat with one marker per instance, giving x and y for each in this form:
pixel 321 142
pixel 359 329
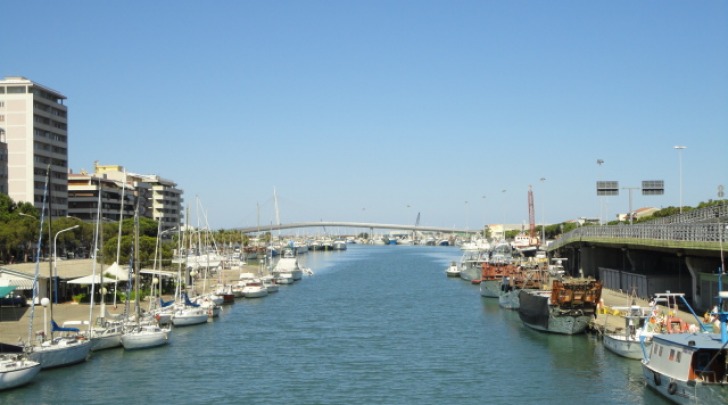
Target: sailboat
pixel 69 347
pixel 16 369
pixel 105 333
pixel 140 334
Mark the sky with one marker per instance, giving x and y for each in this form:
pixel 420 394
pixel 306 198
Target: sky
pixel 377 111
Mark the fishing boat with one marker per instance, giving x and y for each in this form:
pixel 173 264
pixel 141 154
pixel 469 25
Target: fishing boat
pixel 471 264
pixel 16 370
pixel 690 367
pixel 637 327
pixel 491 278
pixel 565 308
pixel 518 279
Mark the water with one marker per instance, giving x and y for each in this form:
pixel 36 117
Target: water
pixel 374 325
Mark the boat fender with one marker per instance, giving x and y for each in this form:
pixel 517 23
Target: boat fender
pixel 672 388
pixel 656 377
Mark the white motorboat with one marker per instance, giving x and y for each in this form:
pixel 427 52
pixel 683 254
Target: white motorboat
pixel 145 336
pixel 690 367
pixel 288 263
pixel 284 278
pixel 453 270
pixel 255 289
pixel 270 284
pixel 626 342
pixel 16 370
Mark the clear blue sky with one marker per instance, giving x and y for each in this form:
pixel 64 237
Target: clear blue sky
pixel 377 110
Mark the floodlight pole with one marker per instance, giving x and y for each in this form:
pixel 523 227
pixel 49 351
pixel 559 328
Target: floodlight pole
pixel 679 149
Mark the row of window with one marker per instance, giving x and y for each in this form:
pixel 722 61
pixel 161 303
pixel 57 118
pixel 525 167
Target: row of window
pixel 54 111
pixel 46 121
pixel 50 148
pixel 40 133
pixel 675 355
pixel 46 160
pixel 12 89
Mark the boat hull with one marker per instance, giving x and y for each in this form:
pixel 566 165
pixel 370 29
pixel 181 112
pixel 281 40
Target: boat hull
pixel 685 392
pixel 490 288
pixel 16 372
pixel 61 353
pixel 624 346
pixel 144 339
pixel 509 299
pixel 536 313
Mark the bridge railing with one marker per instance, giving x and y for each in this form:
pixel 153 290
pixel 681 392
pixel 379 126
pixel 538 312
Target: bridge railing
pixel 714 232
pixel 706 214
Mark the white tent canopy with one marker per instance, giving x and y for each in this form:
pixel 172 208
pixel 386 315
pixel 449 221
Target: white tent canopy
pixel 92 279
pixel 116 271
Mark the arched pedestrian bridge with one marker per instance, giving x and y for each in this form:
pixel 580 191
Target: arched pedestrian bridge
pixel 360 225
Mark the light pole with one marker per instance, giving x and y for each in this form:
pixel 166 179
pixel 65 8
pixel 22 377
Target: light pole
pixel 679 149
pixel 55 261
pixel 503 213
pixel 45 302
pixel 543 217
pixel 467 216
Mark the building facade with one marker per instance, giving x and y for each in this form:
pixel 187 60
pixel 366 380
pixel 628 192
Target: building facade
pixel 34 121
pixel 158 198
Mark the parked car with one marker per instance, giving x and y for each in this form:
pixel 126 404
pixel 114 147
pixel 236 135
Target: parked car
pixel 13 300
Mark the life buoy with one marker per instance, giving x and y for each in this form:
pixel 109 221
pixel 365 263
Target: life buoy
pixel 672 388
pixel 656 378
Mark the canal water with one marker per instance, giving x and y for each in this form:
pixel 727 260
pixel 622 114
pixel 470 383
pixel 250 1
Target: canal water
pixel 374 325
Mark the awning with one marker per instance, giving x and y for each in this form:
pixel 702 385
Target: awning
pixel 91 280
pixel 115 270
pixel 6 290
pixel 19 283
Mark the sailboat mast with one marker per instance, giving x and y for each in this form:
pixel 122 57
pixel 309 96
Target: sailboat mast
pixel 137 268
pixel 51 284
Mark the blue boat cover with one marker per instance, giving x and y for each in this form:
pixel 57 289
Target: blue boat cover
pixel 57 328
pixel 188 302
pixel 164 303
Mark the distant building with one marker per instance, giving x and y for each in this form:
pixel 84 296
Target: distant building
pixel 34 121
pixel 638 213
pixel 3 161
pixel 158 198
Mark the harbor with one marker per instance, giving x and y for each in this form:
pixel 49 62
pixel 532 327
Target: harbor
pixel 373 324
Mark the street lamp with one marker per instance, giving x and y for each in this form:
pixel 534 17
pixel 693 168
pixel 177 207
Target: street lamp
pixel 55 261
pixel 679 149
pixel 543 217
pixel 45 302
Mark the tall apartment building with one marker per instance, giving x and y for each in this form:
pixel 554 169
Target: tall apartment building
pixel 159 198
pixel 3 161
pixel 34 121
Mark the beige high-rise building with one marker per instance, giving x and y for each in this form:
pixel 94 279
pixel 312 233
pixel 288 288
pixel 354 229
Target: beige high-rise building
pixel 34 121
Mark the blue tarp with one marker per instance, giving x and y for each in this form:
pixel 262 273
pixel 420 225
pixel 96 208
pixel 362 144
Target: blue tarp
pixel 188 302
pixel 57 328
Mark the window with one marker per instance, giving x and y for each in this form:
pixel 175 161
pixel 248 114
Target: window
pixel 16 89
